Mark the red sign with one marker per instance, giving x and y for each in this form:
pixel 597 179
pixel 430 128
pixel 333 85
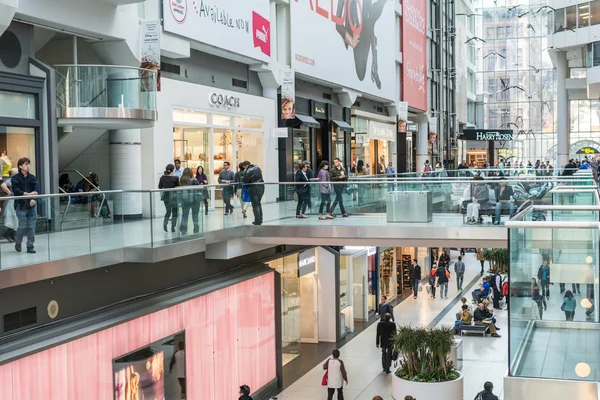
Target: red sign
pixel 262 33
pixel 414 53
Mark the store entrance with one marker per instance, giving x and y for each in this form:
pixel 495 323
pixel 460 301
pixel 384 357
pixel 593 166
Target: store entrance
pixel 323 148
pixel 309 305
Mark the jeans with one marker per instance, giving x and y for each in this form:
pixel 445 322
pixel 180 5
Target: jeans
pixel 195 207
pixel 325 202
pixel 574 287
pixel 27 220
pixel 182 384
pixel 569 315
pixel 545 288
pixel 386 357
pixel 302 203
pixel 500 206
pixel 457 324
pixel 482 264
pixel 256 195
pixel 478 295
pixel 338 199
pixel 444 290
pixel 432 288
pixel 171 210
pixel 541 306
pixel 414 283
pixel 459 280
pixel 330 392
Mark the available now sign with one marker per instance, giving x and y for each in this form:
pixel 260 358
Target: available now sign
pixel 414 53
pixel 239 26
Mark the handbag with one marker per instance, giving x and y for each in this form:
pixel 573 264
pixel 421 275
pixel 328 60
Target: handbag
pixel 325 379
pixel 562 308
pixel 245 194
pixel 447 273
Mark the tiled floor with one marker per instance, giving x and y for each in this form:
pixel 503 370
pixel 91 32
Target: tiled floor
pixel 484 358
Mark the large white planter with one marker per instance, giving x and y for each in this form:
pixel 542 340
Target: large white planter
pixel 452 390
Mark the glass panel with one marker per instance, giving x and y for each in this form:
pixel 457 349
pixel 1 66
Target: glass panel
pixel 194 117
pixel 595 117
pixel 571 17
pixel 249 123
pixel 301 146
pixel 17 105
pixel 222 151
pixel 221 120
pixel 249 146
pixel 17 143
pixel 583 15
pixel 596 51
pixel 574 115
pixel 595 9
pixel 190 145
pixel 559 20
pixel 584 116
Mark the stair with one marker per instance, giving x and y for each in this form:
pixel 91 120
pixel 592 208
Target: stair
pixel 79 216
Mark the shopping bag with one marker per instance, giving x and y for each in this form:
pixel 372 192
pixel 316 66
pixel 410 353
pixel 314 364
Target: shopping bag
pixel 420 287
pixel 245 194
pixel 447 273
pixel 429 289
pixel 325 379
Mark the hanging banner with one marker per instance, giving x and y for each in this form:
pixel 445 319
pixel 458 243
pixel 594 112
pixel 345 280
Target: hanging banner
pixel 402 116
pixel 150 54
pixel 414 53
pixel 288 94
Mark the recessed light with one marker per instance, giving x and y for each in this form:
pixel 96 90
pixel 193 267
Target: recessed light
pixel 582 370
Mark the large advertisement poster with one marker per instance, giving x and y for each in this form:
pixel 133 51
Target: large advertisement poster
pixel 402 116
pixel 346 42
pixel 288 94
pixel 150 53
pixel 240 26
pixel 414 53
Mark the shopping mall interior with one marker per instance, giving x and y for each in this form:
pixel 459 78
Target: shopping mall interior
pixel 299 199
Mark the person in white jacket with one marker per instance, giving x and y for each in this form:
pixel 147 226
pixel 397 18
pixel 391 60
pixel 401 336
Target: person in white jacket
pixel 177 367
pixel 336 375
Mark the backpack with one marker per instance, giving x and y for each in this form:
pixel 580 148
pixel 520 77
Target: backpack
pixel 427 168
pixel 479 396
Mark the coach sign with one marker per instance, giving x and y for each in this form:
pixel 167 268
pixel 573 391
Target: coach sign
pixel 307 261
pixel 487 135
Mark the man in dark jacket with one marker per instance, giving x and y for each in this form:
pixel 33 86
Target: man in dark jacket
pixel 442 277
pixel 253 178
pixel 226 177
pixel 310 174
pixel 570 168
pixel 385 308
pixel 386 330
pixel 338 176
pixel 415 277
pixel 25 184
pixel 544 278
pixel 487 394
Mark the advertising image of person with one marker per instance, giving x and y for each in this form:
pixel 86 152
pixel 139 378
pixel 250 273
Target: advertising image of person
pixel 355 23
pixel 401 126
pixel 288 108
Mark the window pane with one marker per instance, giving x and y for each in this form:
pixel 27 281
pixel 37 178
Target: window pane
pixel 490 33
pixel 509 31
pixel 596 54
pixel 574 116
pixel 250 123
pixel 222 120
pixel 193 117
pixel 584 15
pixel 584 116
pixel 18 142
pixel 559 20
pixel 595 10
pixel 571 17
pixel 595 117
pixel 249 146
pixel 500 32
pixel 17 105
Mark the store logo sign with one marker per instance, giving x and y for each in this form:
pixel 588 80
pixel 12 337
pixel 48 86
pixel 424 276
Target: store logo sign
pixel 371 251
pixel 262 33
pixel 307 262
pixel 221 100
pixel 178 10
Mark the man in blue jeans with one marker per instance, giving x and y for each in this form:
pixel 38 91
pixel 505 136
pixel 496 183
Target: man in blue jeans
pixel 25 184
pixel 505 199
pixel 482 292
pixel 415 277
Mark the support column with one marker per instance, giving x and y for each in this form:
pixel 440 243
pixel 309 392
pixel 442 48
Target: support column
pixel 562 116
pixel 422 139
pixel 126 173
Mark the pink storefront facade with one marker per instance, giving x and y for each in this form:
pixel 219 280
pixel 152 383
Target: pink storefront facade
pixel 230 340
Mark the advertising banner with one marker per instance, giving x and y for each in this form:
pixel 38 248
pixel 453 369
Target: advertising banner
pixel 402 116
pixel 150 52
pixel 346 42
pixel 414 53
pixel 240 26
pixel 288 94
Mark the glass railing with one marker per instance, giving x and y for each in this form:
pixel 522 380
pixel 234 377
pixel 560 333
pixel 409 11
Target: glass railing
pixel 554 328
pixel 471 172
pixel 102 86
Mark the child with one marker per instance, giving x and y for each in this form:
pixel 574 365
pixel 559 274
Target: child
pixel 288 109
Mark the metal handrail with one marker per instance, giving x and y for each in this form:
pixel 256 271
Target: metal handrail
pixel 95 187
pixel 62 218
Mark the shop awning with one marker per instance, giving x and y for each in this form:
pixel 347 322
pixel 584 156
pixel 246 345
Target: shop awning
pixel 305 120
pixel 342 125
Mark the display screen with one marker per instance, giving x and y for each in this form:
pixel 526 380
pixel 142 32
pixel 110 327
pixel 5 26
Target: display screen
pixel 155 372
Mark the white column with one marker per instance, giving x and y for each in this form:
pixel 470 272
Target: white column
pixel 562 116
pixel 422 139
pixel 126 172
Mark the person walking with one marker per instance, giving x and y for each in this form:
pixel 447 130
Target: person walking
pixel 203 180
pixel 302 190
pixel 538 298
pixel 239 188
pixel 336 375
pixel 245 393
pixel 544 278
pixel 338 176
pixel 226 177
pixel 481 259
pixel 253 178
pixel 486 393
pixel 169 181
pixel 386 329
pixel 384 308
pixel 443 275
pixel 178 362
pixel 178 168
pixel 310 174
pixel 444 260
pixel 415 277
pixel 459 270
pixel 497 288
pixel 390 172
pixel 190 200
pixel 325 190
pixel 431 279
pixel 25 184
pixel 568 306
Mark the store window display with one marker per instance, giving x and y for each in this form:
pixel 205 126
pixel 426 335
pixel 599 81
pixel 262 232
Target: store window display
pixel 387 273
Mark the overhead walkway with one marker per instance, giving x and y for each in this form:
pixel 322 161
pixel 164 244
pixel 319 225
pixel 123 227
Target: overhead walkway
pixel 73 237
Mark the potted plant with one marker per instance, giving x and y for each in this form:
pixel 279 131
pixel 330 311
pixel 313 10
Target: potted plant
pixel 425 371
pixel 498 259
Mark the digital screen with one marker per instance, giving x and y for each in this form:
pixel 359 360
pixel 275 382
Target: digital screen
pixel 140 379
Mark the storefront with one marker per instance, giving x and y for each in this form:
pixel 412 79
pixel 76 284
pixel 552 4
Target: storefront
pixel 487 146
pixel 404 257
pixel 310 310
pixel 374 141
pixel 320 131
pixel 387 273
pixel 210 126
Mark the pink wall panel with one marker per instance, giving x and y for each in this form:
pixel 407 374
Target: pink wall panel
pixel 6 382
pixel 230 341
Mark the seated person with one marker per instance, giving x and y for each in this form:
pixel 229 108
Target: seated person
pixel 464 302
pixel 486 304
pixel 483 317
pixel 504 196
pixel 480 197
pixel 464 319
pixel 482 292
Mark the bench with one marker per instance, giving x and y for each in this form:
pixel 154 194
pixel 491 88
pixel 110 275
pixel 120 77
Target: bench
pixel 482 329
pixel 485 210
